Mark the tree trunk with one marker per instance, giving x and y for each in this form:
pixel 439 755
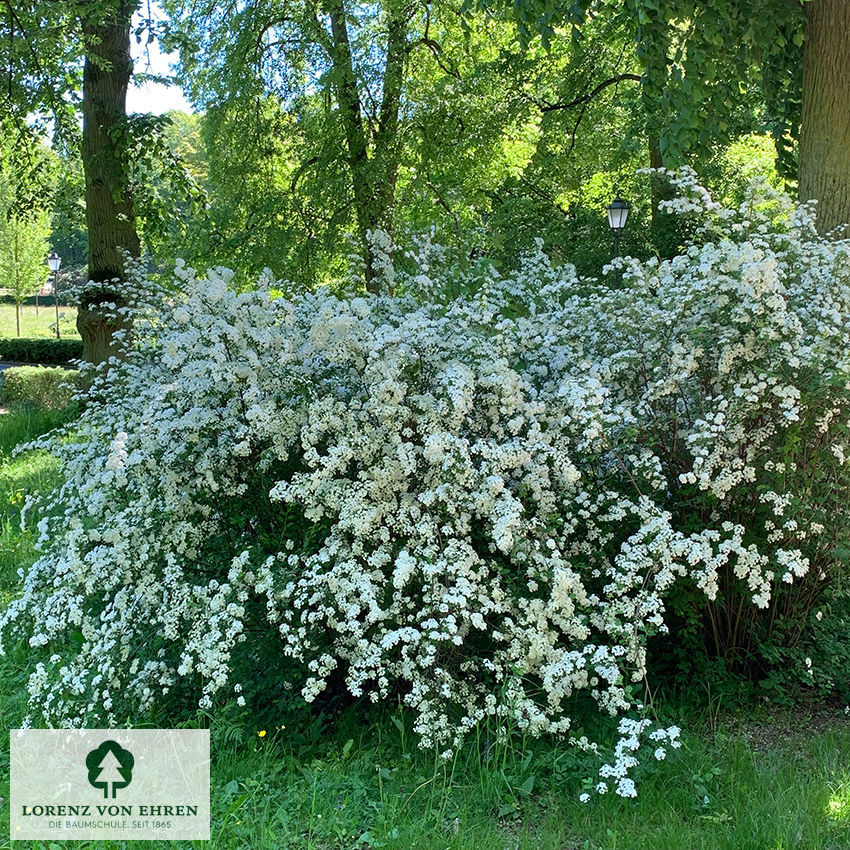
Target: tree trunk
pixel 659 187
pixel 824 169
pixel 664 226
pixel 109 204
pixel 348 96
pixel 386 138
pixel 17 283
pixel 373 179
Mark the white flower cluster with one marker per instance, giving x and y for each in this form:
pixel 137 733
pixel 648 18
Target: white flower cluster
pixel 476 502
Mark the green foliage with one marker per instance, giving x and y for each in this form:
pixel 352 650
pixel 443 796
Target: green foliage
pixel 810 649
pixel 23 249
pixel 731 169
pixel 706 66
pixel 266 208
pixel 27 169
pixel 165 193
pixel 69 237
pixel 20 476
pixel 829 644
pixel 495 145
pixel 52 351
pixel 48 387
pixel 183 135
pixel 38 179
pixel 42 71
pixel 23 231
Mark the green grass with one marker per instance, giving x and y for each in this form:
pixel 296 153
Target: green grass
pixel 42 325
pixel 357 780
pixel 19 476
pixel 308 788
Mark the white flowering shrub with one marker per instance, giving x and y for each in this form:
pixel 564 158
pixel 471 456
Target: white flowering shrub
pixel 483 504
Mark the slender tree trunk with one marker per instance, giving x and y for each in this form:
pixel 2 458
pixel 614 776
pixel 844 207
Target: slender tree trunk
pixel 17 283
pixel 824 169
pixel 659 188
pixel 386 139
pixel 109 205
pixel 665 235
pixel 348 96
pixel 373 178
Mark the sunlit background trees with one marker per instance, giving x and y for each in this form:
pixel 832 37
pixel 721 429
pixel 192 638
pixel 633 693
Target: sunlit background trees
pixel 314 123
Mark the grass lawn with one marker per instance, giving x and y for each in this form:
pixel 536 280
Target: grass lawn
pixel 775 780
pixel 42 325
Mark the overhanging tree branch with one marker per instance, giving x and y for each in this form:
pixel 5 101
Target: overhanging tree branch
pixel 586 98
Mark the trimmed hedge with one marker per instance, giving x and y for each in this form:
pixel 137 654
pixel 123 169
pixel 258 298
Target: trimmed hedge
pixel 48 387
pixel 28 350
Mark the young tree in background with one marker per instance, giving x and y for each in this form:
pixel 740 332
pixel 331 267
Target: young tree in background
pixel 26 165
pixel 23 249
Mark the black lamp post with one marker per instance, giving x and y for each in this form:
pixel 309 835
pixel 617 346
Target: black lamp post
pixel 54 261
pixel 618 215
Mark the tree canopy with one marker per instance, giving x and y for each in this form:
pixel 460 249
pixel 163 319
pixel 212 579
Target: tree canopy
pixel 484 126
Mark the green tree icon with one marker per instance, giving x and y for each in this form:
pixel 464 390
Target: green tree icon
pixel 110 764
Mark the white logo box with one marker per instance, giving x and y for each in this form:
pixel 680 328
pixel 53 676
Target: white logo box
pixel 124 784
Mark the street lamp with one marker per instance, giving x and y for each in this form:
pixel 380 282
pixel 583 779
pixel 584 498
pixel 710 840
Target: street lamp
pixel 54 261
pixel 618 215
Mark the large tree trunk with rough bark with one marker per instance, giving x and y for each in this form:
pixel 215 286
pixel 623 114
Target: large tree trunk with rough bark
pixel 824 169
pixel 109 205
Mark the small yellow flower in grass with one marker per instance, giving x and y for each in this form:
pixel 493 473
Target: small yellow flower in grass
pixel 282 728
pixel 262 733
